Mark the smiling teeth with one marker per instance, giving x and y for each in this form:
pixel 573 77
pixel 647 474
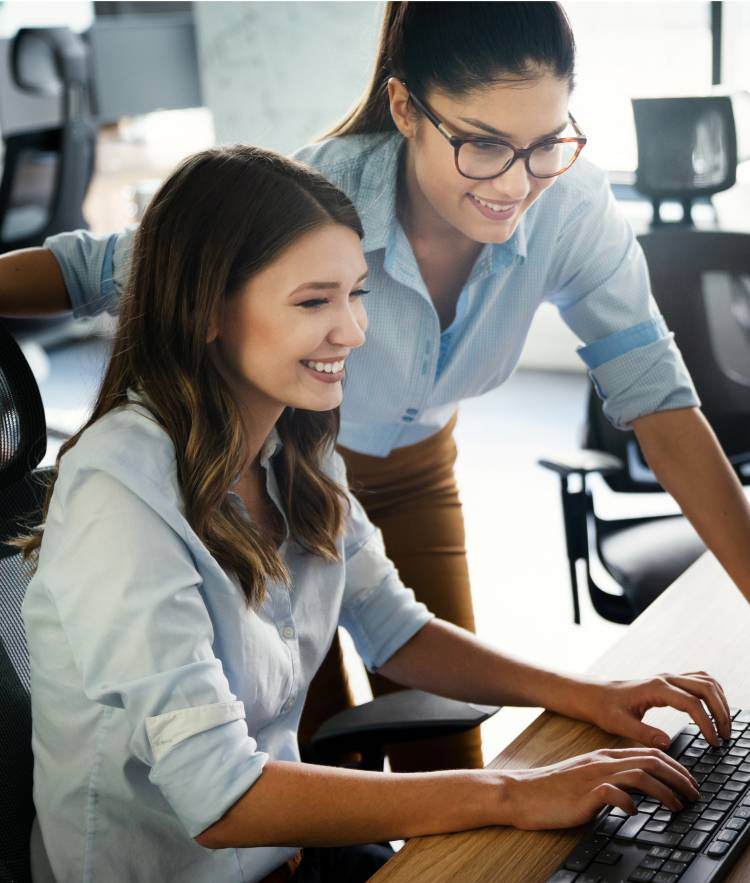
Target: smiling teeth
pixel 493 206
pixel 325 367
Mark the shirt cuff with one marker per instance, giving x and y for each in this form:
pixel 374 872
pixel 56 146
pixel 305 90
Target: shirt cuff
pixel 642 381
pixel 620 342
pixel 85 261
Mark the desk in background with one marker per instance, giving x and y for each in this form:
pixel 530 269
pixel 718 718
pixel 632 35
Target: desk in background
pixel 700 622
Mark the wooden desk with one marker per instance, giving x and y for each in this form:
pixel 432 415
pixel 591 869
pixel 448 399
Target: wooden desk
pixel 700 622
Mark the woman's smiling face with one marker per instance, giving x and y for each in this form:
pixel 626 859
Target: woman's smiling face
pixel 284 338
pixel 521 113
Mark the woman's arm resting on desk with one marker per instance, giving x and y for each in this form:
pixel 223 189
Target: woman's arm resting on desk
pixel 297 804
pixel 474 671
pixel 686 457
pixel 31 284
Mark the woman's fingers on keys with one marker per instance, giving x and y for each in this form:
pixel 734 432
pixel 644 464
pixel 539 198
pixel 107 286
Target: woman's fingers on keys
pixel 630 753
pixel 640 780
pixel 610 795
pixel 725 719
pixel 690 703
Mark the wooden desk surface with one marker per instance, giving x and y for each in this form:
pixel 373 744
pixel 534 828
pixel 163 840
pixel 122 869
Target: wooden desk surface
pixel 700 623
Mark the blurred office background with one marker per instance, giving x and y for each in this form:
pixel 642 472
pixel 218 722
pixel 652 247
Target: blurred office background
pixel 171 78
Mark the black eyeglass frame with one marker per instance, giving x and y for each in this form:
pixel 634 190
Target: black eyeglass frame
pixel 518 153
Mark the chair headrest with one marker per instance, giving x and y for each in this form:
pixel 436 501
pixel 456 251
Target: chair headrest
pixel 23 429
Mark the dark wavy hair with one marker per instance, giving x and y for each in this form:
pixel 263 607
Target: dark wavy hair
pixel 221 216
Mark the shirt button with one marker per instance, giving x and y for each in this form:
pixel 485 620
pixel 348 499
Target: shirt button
pixel 288 632
pixel 412 411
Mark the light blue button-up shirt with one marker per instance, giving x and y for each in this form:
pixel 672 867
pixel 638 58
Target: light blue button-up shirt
pixel 571 248
pixel 157 695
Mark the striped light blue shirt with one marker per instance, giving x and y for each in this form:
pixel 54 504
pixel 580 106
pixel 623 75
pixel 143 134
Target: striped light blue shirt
pixel 157 695
pixel 572 248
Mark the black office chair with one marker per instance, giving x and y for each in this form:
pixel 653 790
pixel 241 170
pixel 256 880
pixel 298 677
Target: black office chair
pixel 366 729
pixel 47 167
pixel 701 281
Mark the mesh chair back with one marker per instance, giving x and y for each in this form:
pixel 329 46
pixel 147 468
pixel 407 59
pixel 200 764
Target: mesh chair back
pixel 701 282
pixel 22 445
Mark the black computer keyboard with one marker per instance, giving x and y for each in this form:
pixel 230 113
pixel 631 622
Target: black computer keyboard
pixel 697 845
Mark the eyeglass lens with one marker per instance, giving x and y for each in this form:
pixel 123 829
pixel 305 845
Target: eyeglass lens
pixel 485 159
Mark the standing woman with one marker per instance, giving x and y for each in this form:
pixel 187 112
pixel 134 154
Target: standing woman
pixel 462 159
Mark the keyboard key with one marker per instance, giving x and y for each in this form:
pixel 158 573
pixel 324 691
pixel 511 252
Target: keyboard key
pixel 726 794
pixel 663 877
pixel 663 815
pixel 655 839
pixel 743 812
pixel 681 743
pixel 711 787
pixel 618 813
pixel 648 807
pixel 694 840
pixel 609 825
pixel 732 785
pixel 719 777
pixel 653 825
pixel 653 864
pixel 680 855
pixel 741 777
pixel 589 878
pixel 673 867
pixel 721 805
pixel 687 816
pixel 609 857
pixel 717 848
pixel 743 717
pixel 705 825
pixel 642 875
pixel 727 835
pixel 731 761
pixel 712 815
pixel 736 823
pixel 660 852
pixel 692 729
pixel 739 752
pixel 679 827
pixel 632 826
pixel 724 768
pixel 562 877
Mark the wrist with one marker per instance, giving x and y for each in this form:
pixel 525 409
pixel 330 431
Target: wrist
pixel 579 698
pixel 499 797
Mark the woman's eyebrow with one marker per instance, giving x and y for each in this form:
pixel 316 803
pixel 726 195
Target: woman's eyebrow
pixel 322 286
pixel 493 131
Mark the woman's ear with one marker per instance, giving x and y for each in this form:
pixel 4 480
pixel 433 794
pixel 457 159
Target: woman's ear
pixel 398 98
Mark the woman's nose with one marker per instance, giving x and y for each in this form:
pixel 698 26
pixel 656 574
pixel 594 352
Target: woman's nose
pixel 513 184
pixel 350 328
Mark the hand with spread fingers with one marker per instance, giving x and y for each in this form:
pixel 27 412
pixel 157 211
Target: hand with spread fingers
pixel 618 707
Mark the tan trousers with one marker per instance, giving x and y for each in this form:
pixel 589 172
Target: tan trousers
pixel 411 495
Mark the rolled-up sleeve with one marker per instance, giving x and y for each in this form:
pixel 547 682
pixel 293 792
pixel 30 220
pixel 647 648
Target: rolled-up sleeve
pixel 130 602
pixel 95 268
pixel 378 611
pixel 600 284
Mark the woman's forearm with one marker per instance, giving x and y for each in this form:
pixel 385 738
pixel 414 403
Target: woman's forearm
pixel 684 454
pixel 473 671
pixel 299 804
pixel 31 284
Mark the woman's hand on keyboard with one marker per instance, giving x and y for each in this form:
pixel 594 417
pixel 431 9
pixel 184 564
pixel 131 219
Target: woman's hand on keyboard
pixel 570 792
pixel 618 706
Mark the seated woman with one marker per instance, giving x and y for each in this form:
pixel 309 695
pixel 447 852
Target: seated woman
pixel 200 548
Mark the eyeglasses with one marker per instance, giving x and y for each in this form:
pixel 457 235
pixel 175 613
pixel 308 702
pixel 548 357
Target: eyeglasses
pixel 482 158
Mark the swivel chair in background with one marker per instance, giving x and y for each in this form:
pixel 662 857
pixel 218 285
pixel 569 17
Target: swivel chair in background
pixel 48 152
pixel 366 729
pixel 701 282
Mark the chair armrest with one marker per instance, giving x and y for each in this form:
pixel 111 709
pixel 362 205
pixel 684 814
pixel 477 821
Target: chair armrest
pixel 583 462
pixel 396 717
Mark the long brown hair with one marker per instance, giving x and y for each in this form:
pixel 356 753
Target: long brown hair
pixel 220 217
pixel 457 47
